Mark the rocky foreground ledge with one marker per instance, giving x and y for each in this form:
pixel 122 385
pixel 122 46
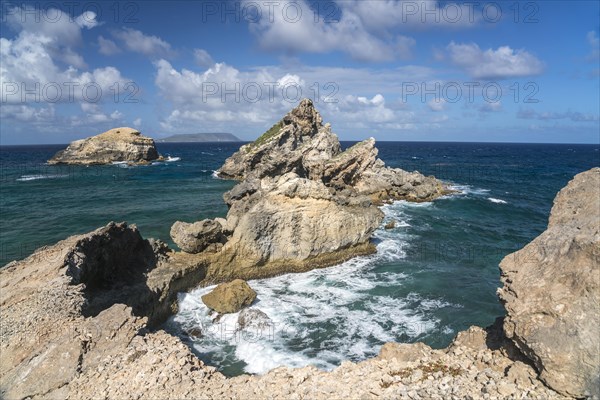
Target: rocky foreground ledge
pixel 77 319
pixel 116 145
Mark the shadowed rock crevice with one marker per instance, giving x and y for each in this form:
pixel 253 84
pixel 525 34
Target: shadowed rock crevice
pixel 496 339
pixel 111 266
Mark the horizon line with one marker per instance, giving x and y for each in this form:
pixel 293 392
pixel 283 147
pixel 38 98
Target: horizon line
pixel 341 140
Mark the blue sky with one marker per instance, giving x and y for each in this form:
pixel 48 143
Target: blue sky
pixel 482 71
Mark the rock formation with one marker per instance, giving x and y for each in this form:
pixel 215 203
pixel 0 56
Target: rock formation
pixel 293 218
pixel 552 291
pixel 196 237
pixel 300 143
pixel 65 333
pixel 116 145
pixel 302 202
pixel 78 321
pixel 55 303
pixel 253 318
pixel 230 297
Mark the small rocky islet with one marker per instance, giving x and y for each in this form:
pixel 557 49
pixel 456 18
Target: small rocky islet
pixel 81 318
pixel 115 145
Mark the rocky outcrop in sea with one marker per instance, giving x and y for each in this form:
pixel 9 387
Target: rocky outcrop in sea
pixel 301 202
pixel 116 145
pixel 301 144
pixel 81 319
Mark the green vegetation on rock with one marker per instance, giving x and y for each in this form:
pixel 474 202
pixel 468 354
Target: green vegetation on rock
pixel 265 137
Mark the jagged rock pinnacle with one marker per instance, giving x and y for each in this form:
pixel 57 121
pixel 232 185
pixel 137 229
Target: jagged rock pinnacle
pixel 305 116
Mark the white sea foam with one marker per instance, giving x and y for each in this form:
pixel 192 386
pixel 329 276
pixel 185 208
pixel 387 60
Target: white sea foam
pixel 468 189
pixel 215 175
pixel 172 159
pixel 391 249
pixel 26 178
pixel 323 316
pixel 447 330
pixel 497 201
pixel 121 164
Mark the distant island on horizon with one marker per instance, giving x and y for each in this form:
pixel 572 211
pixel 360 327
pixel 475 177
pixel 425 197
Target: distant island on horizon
pixel 200 137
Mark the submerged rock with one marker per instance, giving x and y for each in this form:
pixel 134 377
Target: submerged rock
pixel 551 291
pixel 230 297
pixel 194 332
pixel 255 319
pixel 116 145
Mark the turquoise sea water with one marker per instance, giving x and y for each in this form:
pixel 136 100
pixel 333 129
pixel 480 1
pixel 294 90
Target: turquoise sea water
pixel 435 274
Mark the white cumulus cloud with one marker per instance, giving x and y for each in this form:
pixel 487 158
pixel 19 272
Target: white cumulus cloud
pixel 501 63
pixel 87 20
pixel 366 30
pixel 138 42
pixel 202 58
pixel 40 70
pixel 295 33
pixel 437 104
pixel 107 47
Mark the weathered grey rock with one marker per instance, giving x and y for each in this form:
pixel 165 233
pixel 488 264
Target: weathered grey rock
pixel 302 202
pixel 282 148
pixel 301 144
pixel 385 184
pixel 346 168
pixel 243 189
pixel 405 352
pixel 160 248
pixel 295 218
pixel 230 297
pixel 196 237
pixel 551 291
pixel 253 318
pixel 115 145
pixel 67 306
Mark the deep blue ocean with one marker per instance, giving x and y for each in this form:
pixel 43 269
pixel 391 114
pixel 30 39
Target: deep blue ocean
pixel 435 274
